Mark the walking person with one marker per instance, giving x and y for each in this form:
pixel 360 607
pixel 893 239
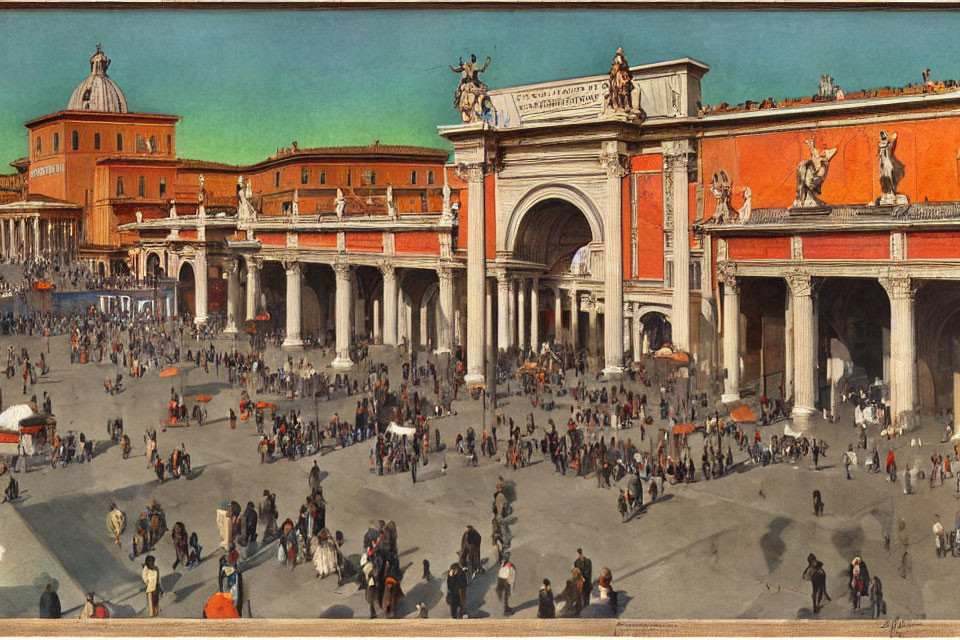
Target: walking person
pixel 505 579
pixel 457 591
pixel 49 603
pixel 151 579
pixel 546 608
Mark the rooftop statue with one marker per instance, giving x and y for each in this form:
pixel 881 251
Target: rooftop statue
pixel 722 191
pixel 471 94
pixel 810 176
pixel 340 204
pixel 620 95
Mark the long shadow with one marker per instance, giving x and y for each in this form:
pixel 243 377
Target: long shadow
pixel 772 543
pixel 428 593
pixel 185 593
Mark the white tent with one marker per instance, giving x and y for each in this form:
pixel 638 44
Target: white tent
pixel 11 417
pixel 401 431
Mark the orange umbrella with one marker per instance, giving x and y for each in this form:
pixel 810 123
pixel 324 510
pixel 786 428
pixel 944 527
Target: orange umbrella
pixel 169 372
pixel 684 429
pixel 204 398
pixel 262 317
pixel 264 405
pixel 220 605
pixel 743 414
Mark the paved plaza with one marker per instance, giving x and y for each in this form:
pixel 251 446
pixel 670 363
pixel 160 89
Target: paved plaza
pixel 729 548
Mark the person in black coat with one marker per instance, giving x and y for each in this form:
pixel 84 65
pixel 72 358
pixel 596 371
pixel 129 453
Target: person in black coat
pixel 49 603
pixel 457 591
pixel 546 608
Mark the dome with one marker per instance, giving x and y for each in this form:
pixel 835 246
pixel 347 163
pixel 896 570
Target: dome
pixel 98 92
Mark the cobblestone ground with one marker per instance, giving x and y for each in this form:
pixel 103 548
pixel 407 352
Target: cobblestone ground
pixel 729 548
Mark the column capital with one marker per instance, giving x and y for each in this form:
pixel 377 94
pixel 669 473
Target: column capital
pixel 387 268
pixel 472 172
pixel 801 283
pixel 677 155
pixel 615 164
pixel 254 263
pixel 444 272
pixel 293 267
pixel 898 287
pixel 342 269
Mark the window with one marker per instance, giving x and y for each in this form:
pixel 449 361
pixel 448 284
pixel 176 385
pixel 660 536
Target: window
pixel 323 177
pixel 430 178
pixel 276 179
pixel 119 142
pixel 141 186
pixel 56 141
pixel 119 186
pixel 369 177
pixel 75 140
pixel 96 141
pixel 695 275
pixel 153 144
pixel 304 176
pixel 169 143
pixel 287 207
pixel 141 143
pixel 413 177
pixel 163 188
pixel 39 145
pixel 348 171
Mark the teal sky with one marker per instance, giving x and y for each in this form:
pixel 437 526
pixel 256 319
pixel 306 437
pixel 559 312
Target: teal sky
pixel 249 82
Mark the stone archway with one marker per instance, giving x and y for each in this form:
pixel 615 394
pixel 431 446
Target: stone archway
pixel 186 291
pixel 567 194
pixel 154 266
pixel 657 330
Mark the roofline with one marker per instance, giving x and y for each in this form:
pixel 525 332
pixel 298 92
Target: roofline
pixel 332 154
pixel 702 67
pixel 135 160
pixel 96 115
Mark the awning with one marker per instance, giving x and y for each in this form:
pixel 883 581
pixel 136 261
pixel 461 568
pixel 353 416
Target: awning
pixel 684 429
pixel 219 606
pixel 743 414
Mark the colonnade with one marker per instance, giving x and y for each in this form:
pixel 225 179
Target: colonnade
pixel 801 357
pixel 25 237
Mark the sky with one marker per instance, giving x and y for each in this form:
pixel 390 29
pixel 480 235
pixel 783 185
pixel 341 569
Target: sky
pixel 248 82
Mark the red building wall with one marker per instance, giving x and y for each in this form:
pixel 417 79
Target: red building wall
pixel 758 248
pixel 767 162
pixel 850 246
pixel 650 225
pixel 932 245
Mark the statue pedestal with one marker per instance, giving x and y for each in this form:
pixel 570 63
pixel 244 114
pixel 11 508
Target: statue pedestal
pixel 893 199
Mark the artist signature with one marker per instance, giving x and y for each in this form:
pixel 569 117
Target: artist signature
pixel 897 624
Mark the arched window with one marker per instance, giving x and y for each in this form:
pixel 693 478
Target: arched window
pixel 75 140
pixel 119 186
pixel 119 142
pixel 96 141
pixel 430 178
pixel 56 141
pixel 304 176
pixel 163 188
pixel 39 145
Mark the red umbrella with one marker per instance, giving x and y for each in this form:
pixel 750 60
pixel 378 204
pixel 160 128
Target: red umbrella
pixel 219 606
pixel 169 372
pixel 684 429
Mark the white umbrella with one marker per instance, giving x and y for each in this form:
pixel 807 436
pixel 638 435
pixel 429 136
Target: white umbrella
pixel 11 417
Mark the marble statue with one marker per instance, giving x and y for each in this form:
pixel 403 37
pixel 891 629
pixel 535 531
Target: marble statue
pixel 340 204
pixel 891 170
pixel 620 95
pixel 470 96
pixel 810 176
pixel 202 193
pixel 391 202
pixel 722 191
pixel 295 207
pixel 139 216
pixel 173 208
pixel 743 212
pixel 446 198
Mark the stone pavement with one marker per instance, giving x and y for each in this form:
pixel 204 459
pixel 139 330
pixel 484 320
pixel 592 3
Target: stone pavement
pixel 729 548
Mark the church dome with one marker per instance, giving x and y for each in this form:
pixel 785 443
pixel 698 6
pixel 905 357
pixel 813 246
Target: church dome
pixel 98 92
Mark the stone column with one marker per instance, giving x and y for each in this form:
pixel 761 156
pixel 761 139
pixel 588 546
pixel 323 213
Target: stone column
pixel 804 344
pixel 445 305
pixel 788 348
pixel 521 314
pixel 535 315
pixel 903 352
pixel 613 162
pixel 343 272
pixel 200 286
pixel 488 285
pixel 233 295
pixel 512 313
pixel 676 161
pixel 626 326
pixel 22 241
pixel 637 330
pixel 377 334
pixel 36 236
pixel 476 274
pixel 557 315
pixel 503 308
pixel 294 275
pixel 731 339
pixel 253 287
pixel 592 342
pixel 574 318
pixel 389 304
